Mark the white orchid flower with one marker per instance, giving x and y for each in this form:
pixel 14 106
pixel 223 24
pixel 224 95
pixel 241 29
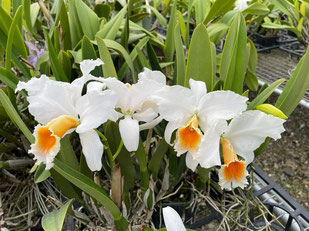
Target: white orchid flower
pixel 189 110
pixel 243 135
pixel 136 105
pixel 61 109
pixel 241 4
pixel 172 220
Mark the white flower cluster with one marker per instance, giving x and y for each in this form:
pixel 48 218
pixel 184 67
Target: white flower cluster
pixel 202 121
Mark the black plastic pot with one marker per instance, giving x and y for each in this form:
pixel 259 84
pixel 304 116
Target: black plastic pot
pixel 266 41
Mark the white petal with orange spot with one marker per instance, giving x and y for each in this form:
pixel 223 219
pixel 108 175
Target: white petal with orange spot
pixel 249 130
pixel 233 175
pixel 188 137
pixel 46 146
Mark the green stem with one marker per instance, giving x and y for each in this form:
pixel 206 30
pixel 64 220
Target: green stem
pixel 108 150
pixel 118 150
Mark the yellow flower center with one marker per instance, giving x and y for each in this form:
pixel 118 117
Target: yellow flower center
pixel 233 168
pixel 46 135
pixel 190 135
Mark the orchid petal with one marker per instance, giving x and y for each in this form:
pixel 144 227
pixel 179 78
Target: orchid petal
pixel 48 99
pixel 156 76
pixel 172 220
pixel 191 162
pixel 175 103
pixel 150 124
pixel 170 128
pixel 88 65
pixel 198 88
pixel 45 152
pixel 129 131
pixel 92 149
pixel 95 86
pixel 32 46
pixel 220 105
pixel 249 130
pixel 145 116
pixel 95 108
pixel 208 154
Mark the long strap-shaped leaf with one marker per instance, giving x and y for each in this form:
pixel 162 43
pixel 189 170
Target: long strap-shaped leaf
pixel 95 191
pixel 200 64
pixel 296 87
pixel 234 56
pixel 10 110
pixel 54 62
pixel 9 44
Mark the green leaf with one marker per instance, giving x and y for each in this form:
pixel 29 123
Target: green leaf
pixel 65 25
pixel 271 25
pixel 156 160
pixel 252 62
pixel 264 95
pixel 142 59
pixel 27 14
pixel 133 56
pixel 117 47
pixel 74 24
pixel 252 81
pixel 88 52
pixel 67 154
pixel 153 59
pixel 159 16
pixel 54 221
pixel 284 6
pixel 182 25
pixel 94 190
pixel 216 31
pixel 199 63
pixel 65 63
pixel 58 72
pixel 256 9
pixel 141 157
pixel 88 19
pixel 180 58
pixel 169 42
pixel 8 78
pixel 296 87
pixel 108 67
pixel 6 5
pixel 110 29
pixel 220 7
pixel 201 8
pixel 234 56
pixel 34 9
pixel 11 36
pixel 12 113
pixel 66 187
pixel 18 40
pixel 102 10
pixel 41 174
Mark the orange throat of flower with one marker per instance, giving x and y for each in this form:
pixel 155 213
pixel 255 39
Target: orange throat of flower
pixel 189 136
pixel 233 169
pixel 48 136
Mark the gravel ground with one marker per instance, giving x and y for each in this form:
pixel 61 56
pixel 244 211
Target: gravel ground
pixel 287 160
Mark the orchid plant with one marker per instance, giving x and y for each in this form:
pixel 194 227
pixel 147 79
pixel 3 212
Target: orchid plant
pixel 203 121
